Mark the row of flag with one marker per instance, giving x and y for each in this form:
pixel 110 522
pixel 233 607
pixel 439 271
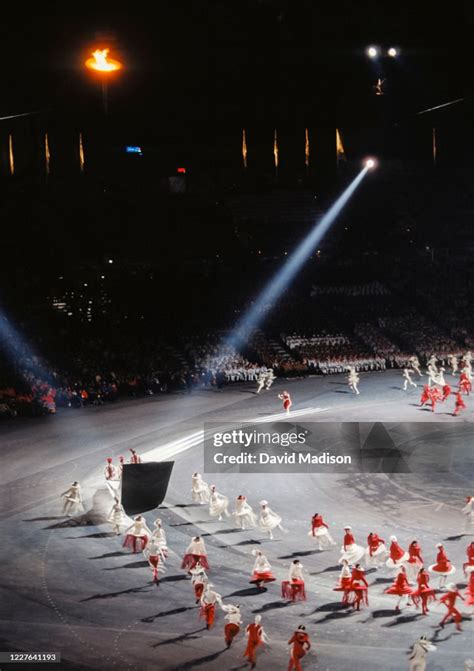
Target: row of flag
pixel 340 152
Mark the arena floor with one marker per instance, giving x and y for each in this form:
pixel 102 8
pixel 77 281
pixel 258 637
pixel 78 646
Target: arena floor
pixel 71 587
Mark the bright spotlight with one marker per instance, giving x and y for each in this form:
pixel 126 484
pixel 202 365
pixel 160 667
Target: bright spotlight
pixel 292 265
pixel 370 163
pixel 392 52
pixel 372 52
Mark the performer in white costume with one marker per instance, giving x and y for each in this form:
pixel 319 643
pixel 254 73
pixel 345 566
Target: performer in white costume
pixel 415 364
pixel 218 504
pixel 453 362
pixel 244 516
pixel 195 552
pixel 351 552
pixel 419 654
pixel 262 570
pixel 199 580
pixel 468 512
pixel 200 489
pixel 234 620
pixel 353 380
pixel 159 536
pixel 73 500
pixel 270 379
pixel 118 517
pixel 268 520
pixel 376 551
pixel 154 556
pixel 137 531
pixel 407 373
pixel 294 588
pixel 261 379
pixel 110 472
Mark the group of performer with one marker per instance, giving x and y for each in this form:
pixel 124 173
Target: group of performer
pixel 411 578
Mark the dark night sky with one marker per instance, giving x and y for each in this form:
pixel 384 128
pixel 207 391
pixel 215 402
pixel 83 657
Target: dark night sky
pixel 238 62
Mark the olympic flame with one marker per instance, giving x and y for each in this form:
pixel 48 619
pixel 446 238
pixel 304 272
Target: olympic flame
pixel 101 62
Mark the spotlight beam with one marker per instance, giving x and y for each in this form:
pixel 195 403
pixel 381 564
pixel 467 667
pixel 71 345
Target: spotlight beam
pixel 293 264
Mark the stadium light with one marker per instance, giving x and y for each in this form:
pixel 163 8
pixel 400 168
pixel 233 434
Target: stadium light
pixel 372 52
pixel 293 264
pixel 392 52
pixel 370 163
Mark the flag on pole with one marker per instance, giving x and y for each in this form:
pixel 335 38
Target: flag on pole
pixel 434 146
pixel 306 147
pixel 340 153
pixel 10 154
pixel 81 153
pixel 275 149
pixel 244 148
pixel 47 154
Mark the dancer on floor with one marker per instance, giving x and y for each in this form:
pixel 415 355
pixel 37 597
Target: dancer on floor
pixel 195 552
pixel 465 384
pixel 256 637
pixel 352 552
pixel 218 504
pixel 436 395
pixel 201 491
pixel 423 594
pixel 320 532
pixel 73 500
pixel 234 620
pixel 261 379
pixel 353 380
pixel 110 472
pixel 459 404
pixel 419 653
pixel 469 593
pixel 415 364
pixel 446 392
pixel 118 517
pixel 159 536
pixel 401 588
pixel 443 567
pixel 268 520
pixel 209 600
pixel 468 566
pixel 425 395
pixel 199 580
pixel 154 557
pixel 407 373
pixel 287 402
pixel 262 570
pixel 300 644
pixel 121 464
pixel 468 512
pixel 135 458
pixel 269 379
pixel 453 362
pixel 344 582
pixel 415 561
pixel 294 588
pixel 359 587
pixel 137 531
pixel 397 555
pixel 243 515
pixel 376 551
pixel 449 600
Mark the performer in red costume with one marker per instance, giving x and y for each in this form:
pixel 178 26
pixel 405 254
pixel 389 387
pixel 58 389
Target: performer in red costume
pixel 234 620
pixel 287 402
pixel 415 561
pixel 424 593
pixel 397 555
pixel 459 404
pixel 360 587
pixel 135 458
pixel 425 395
pixel 345 581
pixel 446 392
pixel 137 531
pixel 293 588
pixel 195 552
pixel 255 638
pixel 300 644
pixel 435 396
pixel 199 580
pixel 320 532
pixel 470 590
pixel 468 566
pixel 375 552
pixel 465 385
pixel 443 566
pixel 350 550
pixel 400 588
pixel 262 570
pixel 208 605
pixel 449 600
pixel 110 471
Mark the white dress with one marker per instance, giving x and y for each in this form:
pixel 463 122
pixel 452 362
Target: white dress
pixel 377 558
pixel 244 516
pixel 268 520
pixel 262 565
pixel 200 490
pixel 117 515
pixel 196 548
pixel 322 537
pixel 218 504
pixel 139 528
pixel 353 553
pixel 73 499
pixel 159 536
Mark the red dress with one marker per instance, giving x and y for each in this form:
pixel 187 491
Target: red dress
pixel 470 591
pixel 254 640
pixel 373 543
pixel 400 586
pixel 359 586
pixel 415 557
pixel 443 565
pixel 424 592
pixel 300 645
pixel 396 552
pixel 470 557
